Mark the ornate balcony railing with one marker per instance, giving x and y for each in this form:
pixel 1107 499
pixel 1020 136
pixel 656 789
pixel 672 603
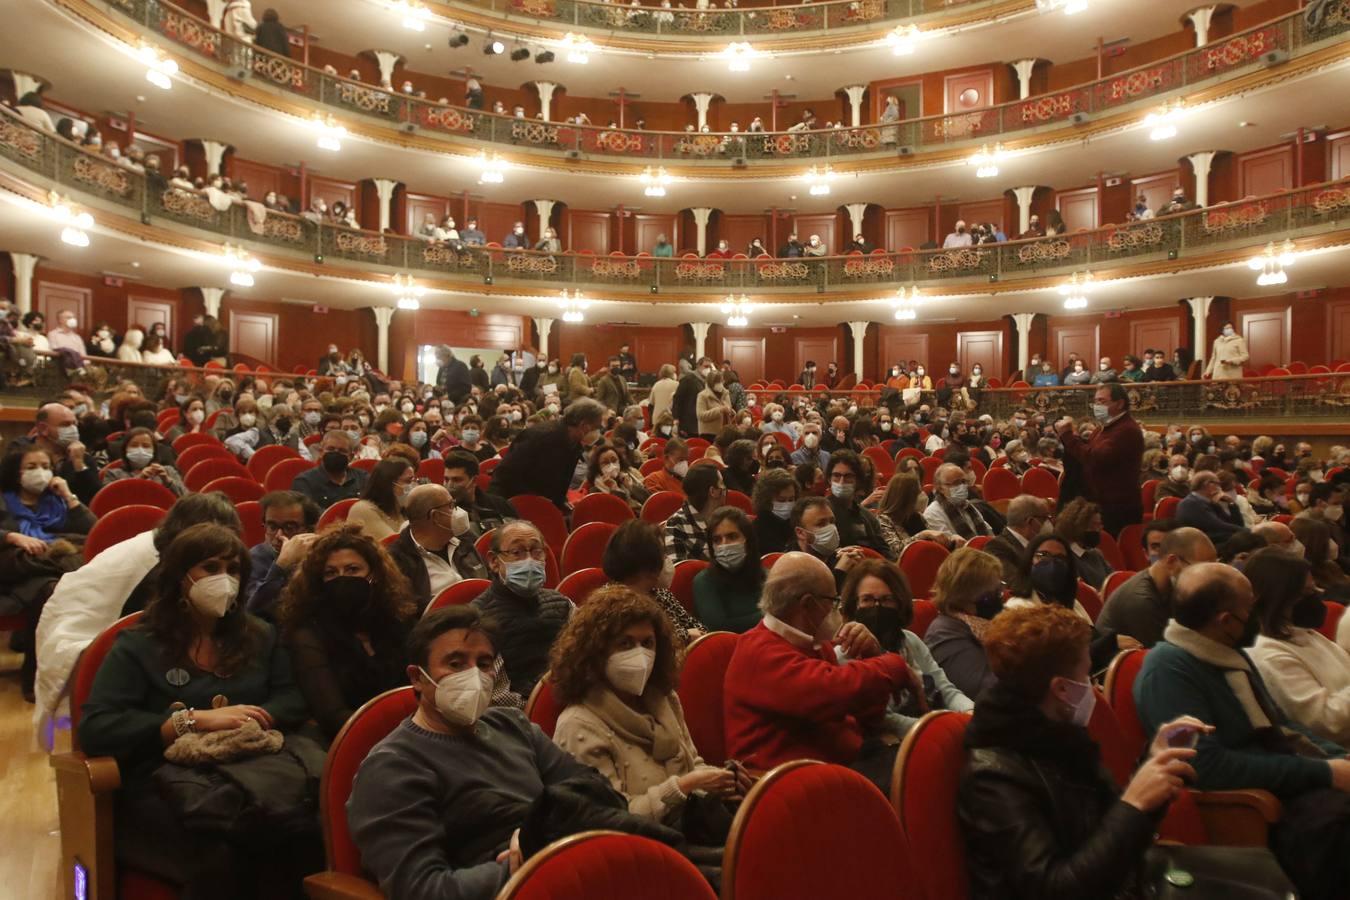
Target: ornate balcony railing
pixel 1275 40
pixel 69 168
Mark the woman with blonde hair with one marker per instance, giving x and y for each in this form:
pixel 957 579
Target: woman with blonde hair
pixel 968 593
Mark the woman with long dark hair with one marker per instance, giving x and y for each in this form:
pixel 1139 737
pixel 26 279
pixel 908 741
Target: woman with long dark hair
pixel 379 512
pixel 726 594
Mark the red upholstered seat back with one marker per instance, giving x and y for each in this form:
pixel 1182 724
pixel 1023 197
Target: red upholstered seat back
pixel 883 461
pixel 1113 581
pixel 1000 484
pixel 335 513
pixel 1109 549
pixel 924 613
pixel 198 452
pixel 800 824
pixel 661 506
pixel 367 727
pixel 606 865
pixel 541 708
pixel 682 584
pixel 920 562
pixel 545 516
pixel 119 525
pixel 978 542
pixel 768 559
pixel 600 508
pixel 1166 508
pixel 701 691
pixel 129 491
pixel 1130 542
pixel 1333 619
pixel 923 791
pixel 87 667
pixel 585 547
pixel 261 462
pixel 1091 600
pixel 1119 752
pixel 1042 483
pixel 184 441
pixel 208 470
pixel 433 470
pixel 280 476
pixel 579 585
pixel 1120 694
pixel 251 517
pixel 740 501
pixel 460 593
pixel 238 488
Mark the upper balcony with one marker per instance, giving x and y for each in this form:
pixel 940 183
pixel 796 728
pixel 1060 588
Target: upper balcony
pixel 1287 45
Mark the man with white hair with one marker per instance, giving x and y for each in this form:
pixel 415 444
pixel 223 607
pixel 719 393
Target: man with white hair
pixel 814 246
pixel 960 236
pixel 951 511
pixel 786 695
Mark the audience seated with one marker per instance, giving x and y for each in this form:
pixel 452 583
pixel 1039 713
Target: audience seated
pixel 432 551
pixel 775 494
pixel 139 456
pixel 608 471
pixel 333 479
pixel 436 807
pixel 1201 669
pixel 1028 516
pixel 951 511
pixel 1080 522
pixel 139 711
pixel 379 512
pixel 288 527
pixel 1321 552
pixel 1040 815
pixel 786 695
pixel 1142 606
pixel 674 466
pixel 877 596
pixel 1208 508
pixel 849 485
pixel 968 594
pixel 55 430
pixel 635 558
pixel 727 593
pixel 486 510
pixel 686 531
pixel 544 457
pixel 613 674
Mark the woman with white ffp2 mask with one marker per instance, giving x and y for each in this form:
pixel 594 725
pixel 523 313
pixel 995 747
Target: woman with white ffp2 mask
pixel 140 459
pixel 614 670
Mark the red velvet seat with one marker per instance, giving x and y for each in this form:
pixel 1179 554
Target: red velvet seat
pixel 925 611
pixel 740 501
pixel 365 465
pixel 261 462
pixel 682 584
pixel 882 462
pixel 1111 550
pixel 920 562
pixel 367 727
pixel 577 586
pixel 600 507
pixel 1120 678
pixel 1000 484
pixel 923 792
pixel 1148 492
pixel 768 559
pixel 280 476
pixel 585 546
pixel 251 518
pixel 208 470
pixel 191 439
pixel 1041 483
pixel 606 865
pixel 929 465
pixel 1114 581
pixel 1090 599
pixel 166 419
pixel 237 488
pixel 1131 544
pixel 460 593
pixel 129 491
pixel 335 513
pixel 1333 619
pixel 1166 508
pixel 915 452
pixel 978 542
pixel 433 470
pixel 701 691
pixel 545 516
pixel 119 525
pixel 798 827
pixel 198 452
pixel 651 466
pixel 541 708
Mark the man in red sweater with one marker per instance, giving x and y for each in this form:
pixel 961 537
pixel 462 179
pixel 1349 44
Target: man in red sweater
pixel 1110 460
pixel 787 697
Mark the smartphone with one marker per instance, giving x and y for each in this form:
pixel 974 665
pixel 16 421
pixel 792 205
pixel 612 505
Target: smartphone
pixel 1182 736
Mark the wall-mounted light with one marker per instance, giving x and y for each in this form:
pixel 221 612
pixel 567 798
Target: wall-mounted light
pixel 573 305
pixel 159 68
pixel 409 293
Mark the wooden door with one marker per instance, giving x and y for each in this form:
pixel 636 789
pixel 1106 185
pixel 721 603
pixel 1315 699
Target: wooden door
pixel 1157 189
pixel 983 212
pixel 1163 333
pixel 55 298
pixel 647 228
pixel 1338 330
pixel 587 231
pixel 418 206
pixel 824 225
pixel 820 350
pixel 259 176
pixel 1338 148
pixel 907 228
pixel 739 231
pixel 900 347
pixel 1266 171
pixel 1079 208
pixel 746 356
pixel 254 335
pixel 1267 334
pixel 983 348
pixel 144 312
pixel 1075 337
pixel 654 351
pixel 968 91
pixel 332 191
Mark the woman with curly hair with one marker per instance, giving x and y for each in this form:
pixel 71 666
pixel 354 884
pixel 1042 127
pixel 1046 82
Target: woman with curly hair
pixel 1080 522
pixel 345 615
pixel 614 670
pixel 609 471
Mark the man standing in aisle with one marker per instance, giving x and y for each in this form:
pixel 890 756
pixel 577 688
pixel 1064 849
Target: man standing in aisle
pixel 1110 458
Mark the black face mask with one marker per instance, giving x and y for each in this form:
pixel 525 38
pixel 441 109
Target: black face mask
pixel 1250 629
pixel 1090 539
pixel 348 595
pixel 1050 578
pixel 1308 612
pixel 282 425
pixel 335 462
pixel 884 623
pixel 989 605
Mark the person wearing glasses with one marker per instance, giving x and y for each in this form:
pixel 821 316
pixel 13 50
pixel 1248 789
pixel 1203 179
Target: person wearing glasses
pixel 436 550
pixel 529 615
pixel 289 518
pixel 1028 516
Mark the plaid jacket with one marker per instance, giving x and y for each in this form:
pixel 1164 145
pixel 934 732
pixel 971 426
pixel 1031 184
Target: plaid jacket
pixel 686 535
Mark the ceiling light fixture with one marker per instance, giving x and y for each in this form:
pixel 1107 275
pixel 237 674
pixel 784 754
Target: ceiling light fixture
pixel 242 264
pixel 1074 291
pixel 1271 263
pixel 578 48
pixel 544 56
pixel 906 304
pixel 986 163
pixel 1070 7
pixel 818 180
pixel 573 304
pixel 409 293
pixel 330 133
pixel 492 169
pixel 493 47
pixel 1163 122
pixel 415 15
pixel 77 224
pixel 737 311
pixel 458 40
pixel 520 54
pixel 738 56
pixel 904 39
pixel 654 181
pixel 158 68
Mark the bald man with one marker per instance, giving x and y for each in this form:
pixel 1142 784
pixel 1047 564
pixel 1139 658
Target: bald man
pixel 1278 534
pixel 429 551
pixel 56 430
pixel 1201 669
pixel 787 697
pixel 1142 605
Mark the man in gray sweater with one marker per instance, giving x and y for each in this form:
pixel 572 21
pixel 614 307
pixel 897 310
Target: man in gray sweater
pixel 1142 606
pixel 436 805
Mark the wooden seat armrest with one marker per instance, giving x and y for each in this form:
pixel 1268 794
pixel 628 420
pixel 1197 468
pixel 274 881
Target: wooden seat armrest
pixel 100 772
pixel 1263 802
pixel 1240 818
pixel 339 886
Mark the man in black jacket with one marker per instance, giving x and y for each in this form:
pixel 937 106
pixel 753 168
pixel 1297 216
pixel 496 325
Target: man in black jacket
pixel 453 375
pixel 544 457
pixel 685 403
pixel 486 510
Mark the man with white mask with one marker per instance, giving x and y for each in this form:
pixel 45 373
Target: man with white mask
pixel 429 551
pixel 815 532
pixel 419 813
pixel 56 431
pixel 786 695
pixel 951 511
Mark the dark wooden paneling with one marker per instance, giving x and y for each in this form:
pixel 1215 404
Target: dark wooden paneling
pixel 746 356
pixel 1079 208
pixel 649 227
pixel 147 311
pixel 331 191
pixel 983 211
pixel 495 219
pixel 902 346
pixel 587 231
pixel 1160 333
pixel 260 177
pixel 908 228
pixel 824 225
pixel 984 348
pixel 968 91
pixel 1157 189
pixel 254 335
pixel 53 298
pixel 1267 334
pixel 418 205
pixel 655 348
pixel 1338 152
pixel 1338 330
pixel 1266 171
pixel 1082 338
pixel 821 350
pixel 739 231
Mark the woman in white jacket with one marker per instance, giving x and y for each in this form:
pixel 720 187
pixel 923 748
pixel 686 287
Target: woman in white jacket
pixel 130 350
pixel 237 20
pixel 1307 674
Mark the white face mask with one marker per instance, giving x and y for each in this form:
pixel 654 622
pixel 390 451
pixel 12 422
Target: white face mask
pixel 35 480
pixel 811 440
pixel 462 697
pixel 825 539
pixel 139 457
pixel 681 468
pixel 1084 704
pixel 829 626
pixel 628 670
pixel 1333 514
pixel 247 419
pixel 214 595
pixel 783 509
pixel 777 416
pixel 196 416
pixel 610 470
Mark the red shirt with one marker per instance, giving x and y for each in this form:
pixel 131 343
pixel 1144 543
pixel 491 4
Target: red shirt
pixel 1110 462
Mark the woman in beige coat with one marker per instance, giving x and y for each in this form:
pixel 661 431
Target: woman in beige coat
pixel 614 672
pixel 714 406
pixel 578 382
pixel 1229 355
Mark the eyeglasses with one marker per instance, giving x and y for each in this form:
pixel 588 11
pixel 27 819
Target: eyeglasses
pixel 880 600
pixel 517 555
pixel 290 529
pixel 1047 554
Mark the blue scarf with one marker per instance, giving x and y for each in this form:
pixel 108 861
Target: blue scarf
pixel 40 523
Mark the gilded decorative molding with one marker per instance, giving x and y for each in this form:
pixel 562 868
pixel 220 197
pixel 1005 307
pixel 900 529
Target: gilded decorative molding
pixel 1044 251
pixel 1138 83
pixel 615 268
pixel 1240 219
pixel 278 70
pixel 783 271
pixel 1049 108
pixel 358 243
pixel 189 204
pixel 1240 49
pixel 531 265
pixel 108 177
pixel 1229 396
pixel 863 268
pixel 534 132
pixel 699 271
pixel 956 260
pixel 447 118
pixel 1136 236
pixel 23 141
pixel 363 98
pixel 188 30
pixel 283 228
pixel 1331 200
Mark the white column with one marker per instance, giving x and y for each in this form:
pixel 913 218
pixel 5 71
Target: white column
pixel 701 216
pixel 1200 18
pixel 215 155
pixel 383 316
pixel 1200 312
pixel 855 218
pixel 546 89
pixel 24 264
pixel 211 297
pixel 1023 69
pixel 855 101
pixel 1023 322
pixel 859 330
pixel 1200 164
pixel 544 326
pixel 701 103
pixel 215 10
pixel 386 61
pixel 700 339
pixel 1024 195
pixel 25 84
pixel 545 210
pixel 384 189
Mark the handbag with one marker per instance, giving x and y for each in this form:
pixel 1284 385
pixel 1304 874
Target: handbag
pixel 1214 873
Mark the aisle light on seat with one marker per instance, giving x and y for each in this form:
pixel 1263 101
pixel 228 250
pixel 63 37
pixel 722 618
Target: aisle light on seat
pixel 158 67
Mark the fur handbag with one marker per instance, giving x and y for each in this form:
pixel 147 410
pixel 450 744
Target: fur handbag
pixel 216 747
